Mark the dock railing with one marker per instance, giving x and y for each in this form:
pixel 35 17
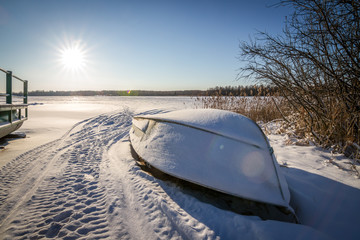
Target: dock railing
pixel 11 112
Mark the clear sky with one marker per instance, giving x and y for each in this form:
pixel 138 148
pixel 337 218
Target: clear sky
pixel 130 44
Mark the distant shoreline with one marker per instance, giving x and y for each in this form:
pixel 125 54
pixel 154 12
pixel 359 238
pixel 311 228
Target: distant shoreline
pixel 252 90
pixel 119 93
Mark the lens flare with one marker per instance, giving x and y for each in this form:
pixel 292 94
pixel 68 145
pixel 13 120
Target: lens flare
pixel 253 165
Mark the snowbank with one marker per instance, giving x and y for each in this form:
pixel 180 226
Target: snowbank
pixel 86 184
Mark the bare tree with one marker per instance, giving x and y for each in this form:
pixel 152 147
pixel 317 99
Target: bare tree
pixel 316 65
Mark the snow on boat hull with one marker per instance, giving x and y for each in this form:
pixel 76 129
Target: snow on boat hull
pixel 217 149
pixel 9 128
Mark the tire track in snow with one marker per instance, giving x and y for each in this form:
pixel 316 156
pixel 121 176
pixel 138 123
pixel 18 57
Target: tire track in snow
pixel 67 202
pixel 20 175
pixel 78 187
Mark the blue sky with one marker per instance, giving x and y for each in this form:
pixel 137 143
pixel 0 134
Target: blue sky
pixel 149 45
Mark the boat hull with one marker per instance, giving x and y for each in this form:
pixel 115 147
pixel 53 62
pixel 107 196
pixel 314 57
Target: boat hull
pixel 201 155
pixel 9 128
pixel 11 118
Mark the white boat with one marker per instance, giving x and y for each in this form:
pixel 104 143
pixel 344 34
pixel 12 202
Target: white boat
pixel 217 149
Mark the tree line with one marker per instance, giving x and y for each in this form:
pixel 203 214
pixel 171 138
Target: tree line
pixel 116 93
pixel 252 90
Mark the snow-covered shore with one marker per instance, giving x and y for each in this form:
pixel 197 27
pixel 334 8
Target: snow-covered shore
pixel 51 117
pixel 74 177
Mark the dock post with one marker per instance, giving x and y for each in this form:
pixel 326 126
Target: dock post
pixel 9 87
pixel 9 92
pixel 25 92
pixel 26 97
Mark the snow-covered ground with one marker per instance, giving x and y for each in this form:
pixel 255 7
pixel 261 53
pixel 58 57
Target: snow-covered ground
pixel 74 177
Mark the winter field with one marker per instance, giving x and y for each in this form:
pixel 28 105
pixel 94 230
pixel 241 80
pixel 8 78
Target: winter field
pixel 73 177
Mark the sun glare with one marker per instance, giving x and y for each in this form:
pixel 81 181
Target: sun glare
pixel 73 57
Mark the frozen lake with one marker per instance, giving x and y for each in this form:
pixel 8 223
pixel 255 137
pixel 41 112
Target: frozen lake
pixel 51 116
pixel 73 177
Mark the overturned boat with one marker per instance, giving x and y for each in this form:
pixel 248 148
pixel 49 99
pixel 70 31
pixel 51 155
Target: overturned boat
pixel 216 149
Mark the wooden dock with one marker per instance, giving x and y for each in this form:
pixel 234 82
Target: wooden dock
pixel 12 115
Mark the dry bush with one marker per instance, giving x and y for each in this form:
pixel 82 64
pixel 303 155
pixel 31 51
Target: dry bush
pixel 315 64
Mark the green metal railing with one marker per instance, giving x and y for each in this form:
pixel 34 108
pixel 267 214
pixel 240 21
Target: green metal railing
pixel 11 110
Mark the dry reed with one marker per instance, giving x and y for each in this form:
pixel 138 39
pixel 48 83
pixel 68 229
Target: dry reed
pixel 259 108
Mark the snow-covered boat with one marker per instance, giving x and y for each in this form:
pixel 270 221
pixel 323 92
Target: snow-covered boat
pixel 217 149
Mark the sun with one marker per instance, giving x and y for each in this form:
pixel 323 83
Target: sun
pixel 73 56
